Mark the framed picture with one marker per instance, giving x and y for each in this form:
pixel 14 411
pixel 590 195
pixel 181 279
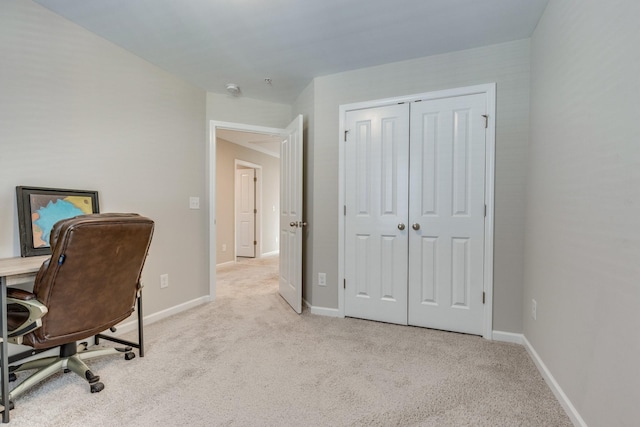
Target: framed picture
pixel 40 208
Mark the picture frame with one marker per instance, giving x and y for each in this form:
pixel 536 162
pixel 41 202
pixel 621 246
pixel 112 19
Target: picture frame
pixel 39 208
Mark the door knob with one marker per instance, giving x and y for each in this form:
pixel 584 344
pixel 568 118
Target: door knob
pixel 416 226
pixel 401 226
pixel 293 224
pixel 302 224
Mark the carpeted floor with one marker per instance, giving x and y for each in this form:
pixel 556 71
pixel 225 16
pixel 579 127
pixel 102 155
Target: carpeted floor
pixel 248 360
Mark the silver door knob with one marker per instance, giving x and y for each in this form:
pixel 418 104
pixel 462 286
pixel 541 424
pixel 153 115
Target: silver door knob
pixel 293 224
pixel 302 224
pixel 401 226
pixel 416 226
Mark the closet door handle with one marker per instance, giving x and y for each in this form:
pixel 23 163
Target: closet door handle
pixel 416 226
pixel 293 224
pixel 401 226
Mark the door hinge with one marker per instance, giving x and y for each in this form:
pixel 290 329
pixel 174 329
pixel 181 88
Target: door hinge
pixel 345 135
pixel 255 242
pixel 486 120
pixel 255 211
pixel 483 297
pixel 255 179
pixel 345 210
pixel 485 210
pixel 344 284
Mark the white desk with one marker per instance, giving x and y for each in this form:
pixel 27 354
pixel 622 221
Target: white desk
pixel 12 271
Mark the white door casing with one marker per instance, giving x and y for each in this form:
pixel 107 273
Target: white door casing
pixel 291 216
pixel 446 239
pixel 245 197
pixel 376 179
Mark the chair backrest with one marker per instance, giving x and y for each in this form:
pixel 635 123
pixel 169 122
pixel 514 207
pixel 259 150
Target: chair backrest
pixel 92 279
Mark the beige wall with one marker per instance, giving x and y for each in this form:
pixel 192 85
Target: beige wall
pixel 583 206
pixel 226 155
pixel 79 112
pixel 506 64
pixel 227 108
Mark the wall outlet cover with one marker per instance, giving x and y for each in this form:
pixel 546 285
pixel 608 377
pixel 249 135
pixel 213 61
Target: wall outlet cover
pixel 194 202
pixel 322 279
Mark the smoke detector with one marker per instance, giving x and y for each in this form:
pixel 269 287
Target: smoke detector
pixel 233 89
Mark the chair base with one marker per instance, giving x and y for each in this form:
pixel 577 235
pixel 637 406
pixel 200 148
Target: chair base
pixel 71 358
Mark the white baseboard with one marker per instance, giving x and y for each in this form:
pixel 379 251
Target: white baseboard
pixel 554 386
pixel 132 325
pixel 222 264
pixel 322 311
pixel 508 337
pixel 273 253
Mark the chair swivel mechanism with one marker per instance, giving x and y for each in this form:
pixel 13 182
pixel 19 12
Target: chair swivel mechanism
pixel 90 284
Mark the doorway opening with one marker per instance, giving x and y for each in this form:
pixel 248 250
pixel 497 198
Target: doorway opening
pixel 233 146
pixel 288 209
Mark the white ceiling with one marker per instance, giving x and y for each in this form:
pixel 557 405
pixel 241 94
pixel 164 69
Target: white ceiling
pixel 214 42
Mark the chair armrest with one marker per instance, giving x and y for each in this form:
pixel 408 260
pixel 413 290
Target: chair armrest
pixel 20 294
pixel 36 310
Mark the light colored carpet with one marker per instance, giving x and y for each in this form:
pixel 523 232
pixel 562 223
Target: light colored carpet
pixel 249 360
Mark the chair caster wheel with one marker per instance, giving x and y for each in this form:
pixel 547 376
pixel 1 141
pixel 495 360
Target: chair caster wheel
pixel 12 377
pixel 97 387
pixel 130 355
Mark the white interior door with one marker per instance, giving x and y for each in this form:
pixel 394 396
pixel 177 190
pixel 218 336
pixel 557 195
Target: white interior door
pixel 245 212
pixel 447 213
pixel 291 218
pixel 376 213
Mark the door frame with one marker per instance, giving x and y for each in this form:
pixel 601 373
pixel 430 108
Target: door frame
pixel 489 90
pixel 211 181
pixel 258 204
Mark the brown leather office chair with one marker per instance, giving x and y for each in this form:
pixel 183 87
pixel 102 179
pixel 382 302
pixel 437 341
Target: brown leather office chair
pixel 90 283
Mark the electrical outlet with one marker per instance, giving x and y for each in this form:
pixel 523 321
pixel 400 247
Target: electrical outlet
pixel 194 202
pixel 224 247
pixel 322 279
pixel 164 281
pixel 534 309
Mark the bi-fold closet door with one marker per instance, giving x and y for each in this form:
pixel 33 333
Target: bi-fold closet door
pixel 415 212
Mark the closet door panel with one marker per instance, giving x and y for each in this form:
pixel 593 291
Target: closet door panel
pixel 376 194
pixel 447 171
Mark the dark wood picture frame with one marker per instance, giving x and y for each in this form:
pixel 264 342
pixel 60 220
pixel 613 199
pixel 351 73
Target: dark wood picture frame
pixel 39 208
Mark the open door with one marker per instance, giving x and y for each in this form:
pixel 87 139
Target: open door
pixel 291 219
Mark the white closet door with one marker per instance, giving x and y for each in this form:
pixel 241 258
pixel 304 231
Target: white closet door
pixel 245 213
pixel 447 174
pixel 376 191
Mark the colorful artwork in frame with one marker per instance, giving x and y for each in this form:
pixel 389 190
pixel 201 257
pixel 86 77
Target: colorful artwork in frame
pixel 40 208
